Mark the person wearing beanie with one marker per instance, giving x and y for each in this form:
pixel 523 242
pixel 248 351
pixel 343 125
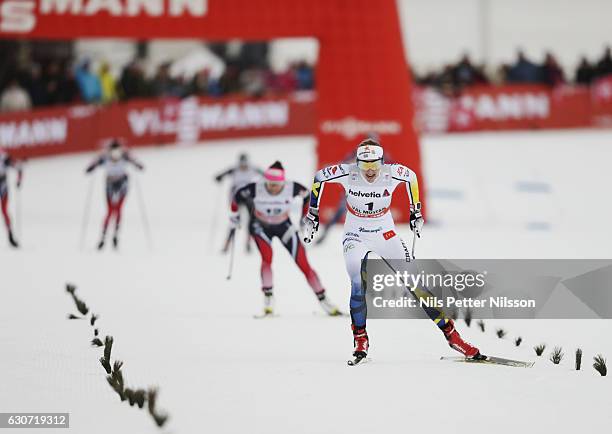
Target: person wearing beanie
pixel 269 203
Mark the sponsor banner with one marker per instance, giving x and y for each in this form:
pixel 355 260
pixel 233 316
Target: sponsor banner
pixel 514 107
pixel 64 18
pixel 351 128
pixel 166 121
pixel 601 96
pixel 499 108
pixel 149 122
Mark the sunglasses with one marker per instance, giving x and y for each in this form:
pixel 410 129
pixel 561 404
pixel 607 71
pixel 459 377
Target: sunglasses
pixel 369 165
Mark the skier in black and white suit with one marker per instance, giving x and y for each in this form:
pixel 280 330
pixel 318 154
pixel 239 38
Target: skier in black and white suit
pixel 115 162
pixel 269 203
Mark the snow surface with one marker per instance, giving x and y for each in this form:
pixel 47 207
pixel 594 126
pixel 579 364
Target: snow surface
pixel 179 324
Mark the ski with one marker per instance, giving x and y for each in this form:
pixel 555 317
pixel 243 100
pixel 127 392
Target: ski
pixel 358 360
pixel 265 315
pixel 337 313
pixel 490 360
pixel 329 315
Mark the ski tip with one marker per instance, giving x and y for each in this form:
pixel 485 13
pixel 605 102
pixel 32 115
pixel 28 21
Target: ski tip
pixel 265 315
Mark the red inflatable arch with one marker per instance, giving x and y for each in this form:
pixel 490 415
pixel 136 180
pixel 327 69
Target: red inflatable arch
pixel 362 77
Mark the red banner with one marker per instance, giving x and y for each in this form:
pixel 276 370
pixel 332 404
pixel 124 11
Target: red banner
pixel 515 107
pixel 148 122
pixel 601 97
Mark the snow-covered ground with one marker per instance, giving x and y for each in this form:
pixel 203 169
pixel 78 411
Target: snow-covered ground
pixel 179 324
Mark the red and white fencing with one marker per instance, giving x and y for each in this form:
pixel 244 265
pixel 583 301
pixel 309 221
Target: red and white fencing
pixel 150 122
pixel 168 121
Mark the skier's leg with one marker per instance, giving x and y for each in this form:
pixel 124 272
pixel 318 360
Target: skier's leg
pixel 110 210
pixel 264 245
pixel 356 253
pixel 291 240
pixel 263 241
pixel 247 246
pixel 5 214
pixel 396 248
pixel 115 190
pixel 294 246
pixel 107 218
pixel 117 208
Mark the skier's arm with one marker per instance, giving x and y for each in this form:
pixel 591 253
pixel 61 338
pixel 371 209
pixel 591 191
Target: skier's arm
pixel 128 157
pixel 407 176
pixel 412 187
pixel 97 162
pixel 337 174
pixel 15 164
pixel 243 196
pixel 222 175
pixel 332 174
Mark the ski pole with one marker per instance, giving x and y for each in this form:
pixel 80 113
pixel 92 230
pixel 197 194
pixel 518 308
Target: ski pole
pixel 18 185
pixel 213 223
pixel 432 312
pixel 85 220
pixel 232 248
pixel 143 214
pixel 18 213
pixel 414 237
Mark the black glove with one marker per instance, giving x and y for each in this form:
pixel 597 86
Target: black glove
pixel 310 225
pixel 416 222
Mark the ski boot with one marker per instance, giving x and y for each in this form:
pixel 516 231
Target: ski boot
pixel 268 303
pixel 361 343
pixel 115 242
pixel 329 308
pixel 12 241
pixel 458 344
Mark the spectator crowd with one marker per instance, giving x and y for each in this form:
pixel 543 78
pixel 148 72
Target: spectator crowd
pixel 453 78
pixel 64 82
